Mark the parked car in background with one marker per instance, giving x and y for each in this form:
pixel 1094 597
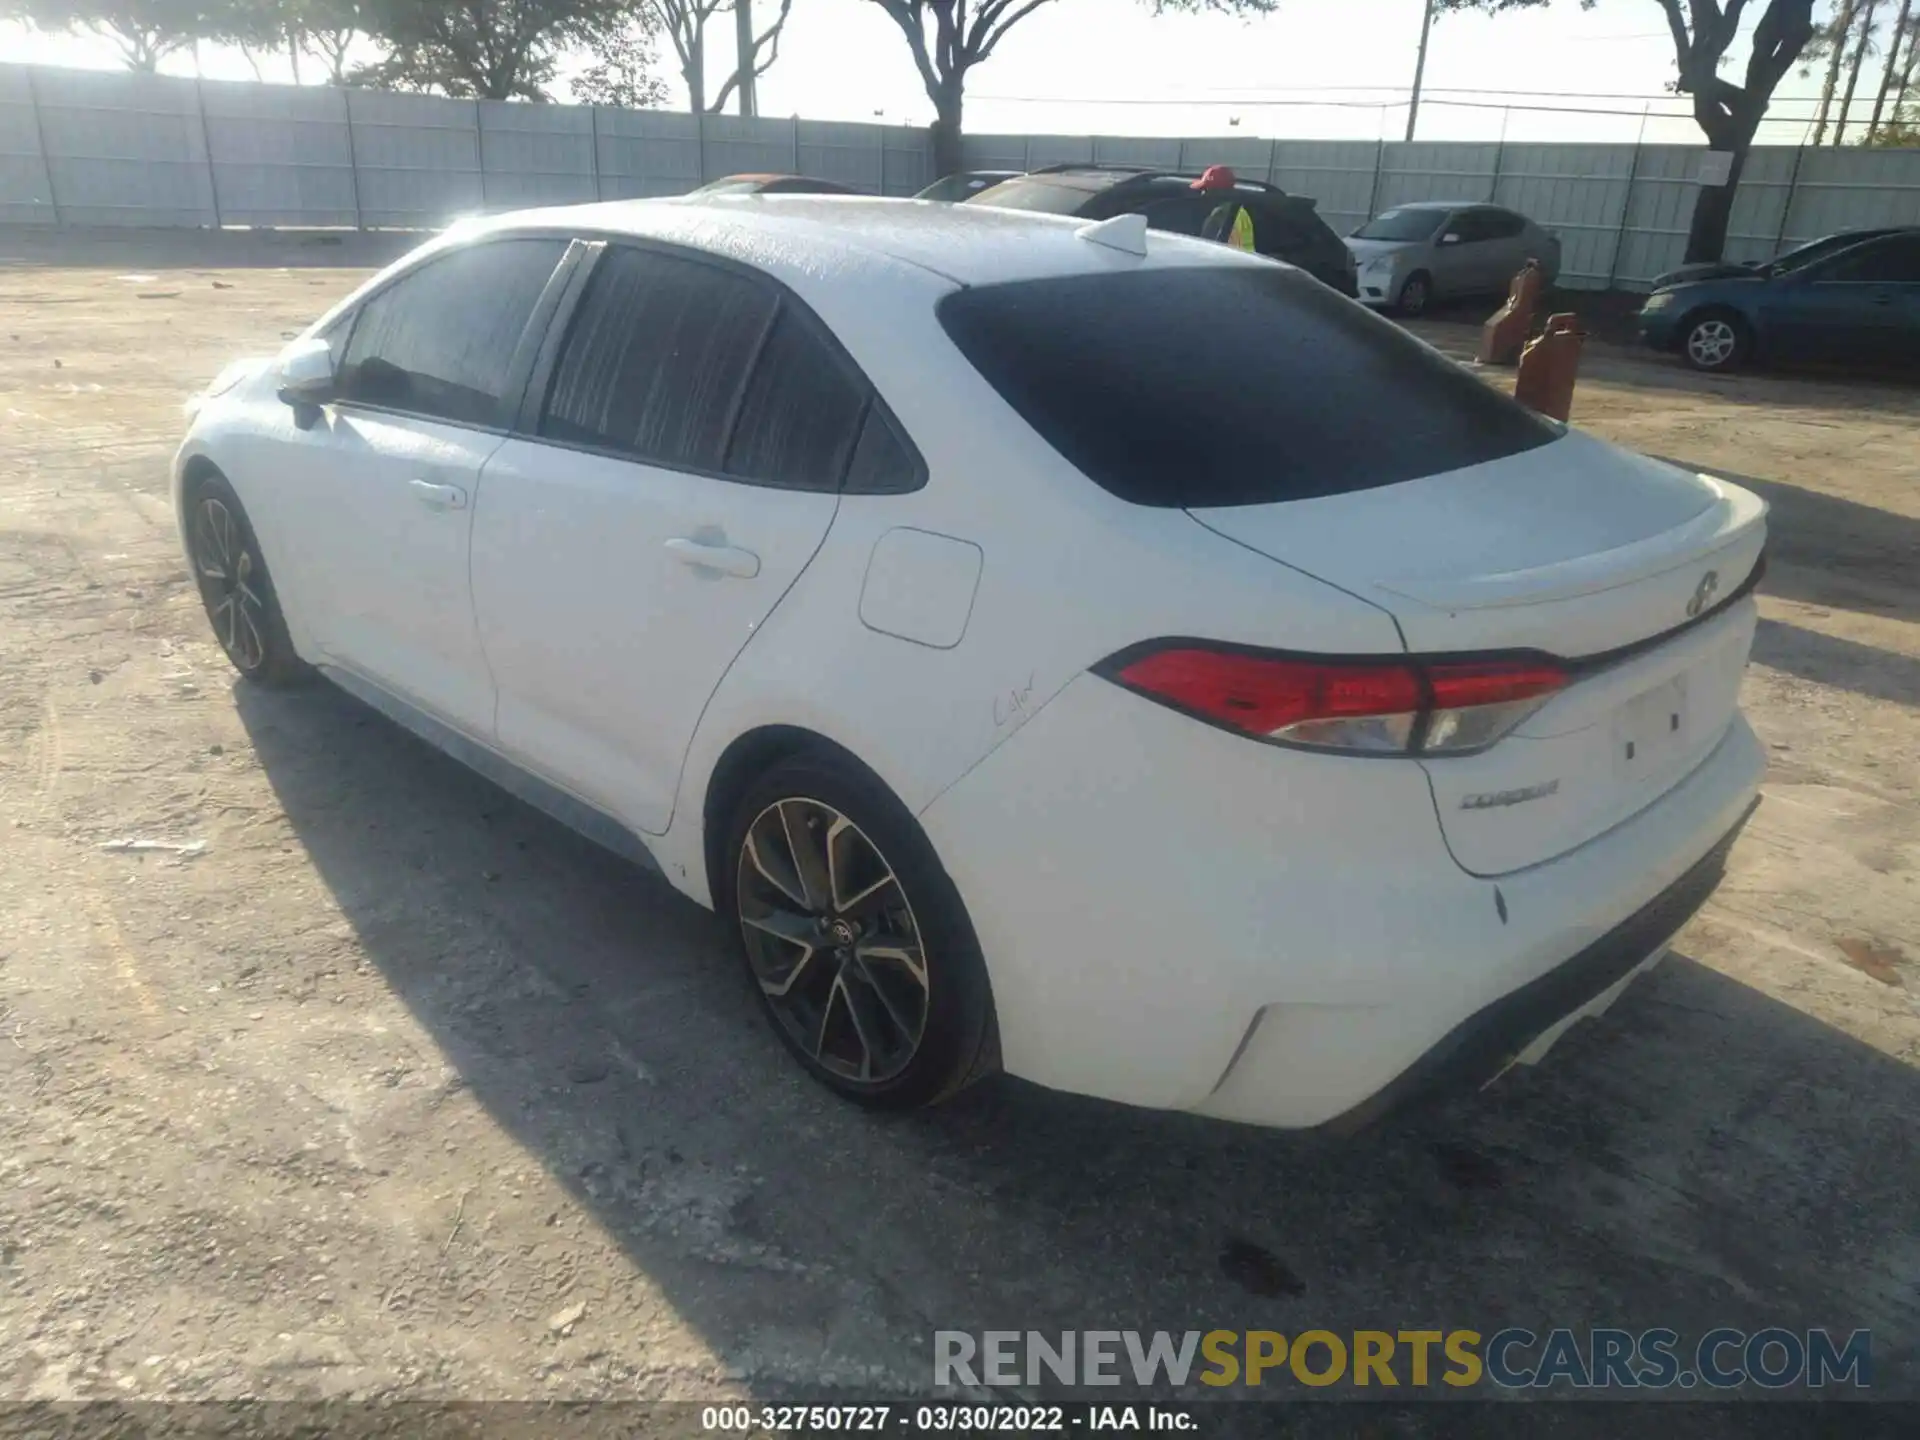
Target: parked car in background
pixel 774 185
pixel 1781 264
pixel 964 185
pixel 1285 227
pixel 1857 303
pixel 1110 657
pixel 1413 255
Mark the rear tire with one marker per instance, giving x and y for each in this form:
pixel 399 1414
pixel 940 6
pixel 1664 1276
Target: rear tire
pixel 854 937
pixel 235 588
pixel 1715 342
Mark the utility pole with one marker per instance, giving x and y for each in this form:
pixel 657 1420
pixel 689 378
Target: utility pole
pixel 743 43
pixel 1420 70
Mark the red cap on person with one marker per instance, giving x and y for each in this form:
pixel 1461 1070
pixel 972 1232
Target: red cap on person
pixel 1217 177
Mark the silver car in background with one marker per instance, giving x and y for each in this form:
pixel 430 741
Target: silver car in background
pixel 1412 255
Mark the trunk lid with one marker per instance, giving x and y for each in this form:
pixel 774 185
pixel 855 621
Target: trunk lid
pixel 1578 549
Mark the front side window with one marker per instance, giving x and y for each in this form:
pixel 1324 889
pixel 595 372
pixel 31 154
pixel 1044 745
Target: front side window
pixel 1501 224
pixel 656 358
pixel 1228 385
pixel 1884 262
pixel 440 341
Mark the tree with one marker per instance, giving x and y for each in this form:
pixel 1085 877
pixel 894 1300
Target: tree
pixel 1860 45
pixel 484 49
pixel 145 31
pixel 1830 43
pixel 949 38
pixel 623 73
pixel 1906 32
pixel 685 24
pixel 1703 31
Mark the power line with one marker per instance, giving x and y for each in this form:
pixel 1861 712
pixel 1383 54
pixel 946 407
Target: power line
pixel 1256 97
pixel 1259 104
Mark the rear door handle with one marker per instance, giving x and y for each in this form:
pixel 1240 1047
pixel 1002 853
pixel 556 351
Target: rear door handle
pixel 438 497
pixel 727 559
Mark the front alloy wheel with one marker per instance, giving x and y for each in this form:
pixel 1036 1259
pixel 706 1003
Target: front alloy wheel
pixel 235 588
pixel 832 940
pixel 1713 343
pixel 225 566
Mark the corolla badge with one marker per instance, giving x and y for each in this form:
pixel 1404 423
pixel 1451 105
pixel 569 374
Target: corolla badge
pixel 1499 799
pixel 1703 593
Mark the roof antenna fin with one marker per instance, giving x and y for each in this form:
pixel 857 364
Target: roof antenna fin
pixel 1125 233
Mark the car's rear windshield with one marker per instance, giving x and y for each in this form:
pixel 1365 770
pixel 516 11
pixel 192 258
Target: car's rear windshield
pixel 1047 196
pixel 1401 225
pixel 1229 385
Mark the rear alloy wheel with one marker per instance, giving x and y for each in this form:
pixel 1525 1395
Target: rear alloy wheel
pixel 1715 343
pixel 1415 295
pixel 855 937
pixel 235 587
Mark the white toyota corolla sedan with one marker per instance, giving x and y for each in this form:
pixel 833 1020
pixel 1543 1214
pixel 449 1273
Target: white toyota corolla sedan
pixel 1053 647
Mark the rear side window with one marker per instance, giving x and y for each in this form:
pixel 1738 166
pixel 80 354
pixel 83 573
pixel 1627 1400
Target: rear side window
pixel 1228 385
pixel 440 340
pixel 656 357
pixel 1293 233
pixel 883 462
pixel 1180 215
pixel 801 413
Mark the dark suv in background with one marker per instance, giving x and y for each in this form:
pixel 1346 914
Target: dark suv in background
pixel 1285 226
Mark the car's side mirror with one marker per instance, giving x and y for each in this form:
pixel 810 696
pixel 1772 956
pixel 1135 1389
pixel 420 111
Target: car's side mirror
pixel 1452 237
pixel 305 379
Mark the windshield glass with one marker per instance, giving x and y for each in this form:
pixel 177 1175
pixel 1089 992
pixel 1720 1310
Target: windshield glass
pixel 1029 194
pixel 1401 225
pixel 1793 260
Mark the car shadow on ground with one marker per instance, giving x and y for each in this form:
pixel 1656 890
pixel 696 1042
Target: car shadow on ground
pixel 1702 1156
pixel 1826 550
pixel 25 247
pixel 1832 660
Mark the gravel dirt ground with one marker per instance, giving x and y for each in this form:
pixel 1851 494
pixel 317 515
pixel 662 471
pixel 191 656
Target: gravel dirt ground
pixel 398 1089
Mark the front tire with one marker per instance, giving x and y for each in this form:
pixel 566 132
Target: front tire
pixel 235 588
pixel 1716 342
pixel 854 936
pixel 1416 295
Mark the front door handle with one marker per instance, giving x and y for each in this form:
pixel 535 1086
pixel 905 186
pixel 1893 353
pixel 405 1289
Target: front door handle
pixel 438 497
pixel 727 559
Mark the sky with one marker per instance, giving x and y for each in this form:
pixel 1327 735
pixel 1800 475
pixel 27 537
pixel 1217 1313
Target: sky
pixel 1315 69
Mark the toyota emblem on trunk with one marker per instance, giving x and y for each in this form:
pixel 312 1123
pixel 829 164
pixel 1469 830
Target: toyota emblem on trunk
pixel 1703 593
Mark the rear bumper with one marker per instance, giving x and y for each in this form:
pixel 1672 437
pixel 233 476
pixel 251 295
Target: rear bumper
pixel 1180 918
pixel 1481 1048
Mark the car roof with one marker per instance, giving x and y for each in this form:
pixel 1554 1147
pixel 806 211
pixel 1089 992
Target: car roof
pixel 830 239
pixel 1094 177
pixel 1444 205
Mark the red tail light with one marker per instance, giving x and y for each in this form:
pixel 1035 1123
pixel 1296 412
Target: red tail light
pixel 1386 706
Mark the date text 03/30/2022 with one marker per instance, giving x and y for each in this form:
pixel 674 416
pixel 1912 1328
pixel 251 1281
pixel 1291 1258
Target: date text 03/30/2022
pixel 944 1418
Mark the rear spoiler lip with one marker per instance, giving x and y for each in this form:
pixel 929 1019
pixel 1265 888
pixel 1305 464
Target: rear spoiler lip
pixel 1731 518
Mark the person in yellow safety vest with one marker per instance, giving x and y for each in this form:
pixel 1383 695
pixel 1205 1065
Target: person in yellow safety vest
pixel 1230 222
